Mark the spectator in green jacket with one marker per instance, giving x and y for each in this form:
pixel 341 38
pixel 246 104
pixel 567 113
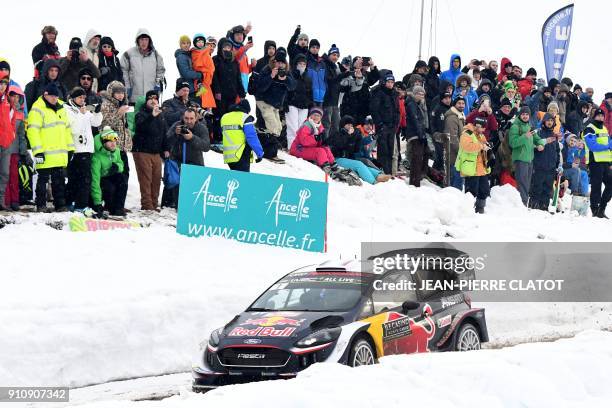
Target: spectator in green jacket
pixel 108 183
pixel 523 140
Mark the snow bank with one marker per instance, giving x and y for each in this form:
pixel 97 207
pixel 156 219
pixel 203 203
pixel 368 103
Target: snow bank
pixel 566 373
pixel 84 308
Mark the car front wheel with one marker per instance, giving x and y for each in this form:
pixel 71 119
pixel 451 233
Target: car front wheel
pixel 361 353
pixel 467 338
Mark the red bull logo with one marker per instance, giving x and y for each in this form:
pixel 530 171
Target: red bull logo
pixel 408 336
pixel 273 321
pixel 261 332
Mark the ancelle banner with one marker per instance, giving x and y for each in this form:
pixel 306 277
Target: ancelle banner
pixel 254 208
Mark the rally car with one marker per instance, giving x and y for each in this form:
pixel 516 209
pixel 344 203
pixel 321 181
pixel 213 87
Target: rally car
pixel 336 314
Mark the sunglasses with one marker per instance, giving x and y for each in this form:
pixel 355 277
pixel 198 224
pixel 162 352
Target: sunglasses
pixel 86 78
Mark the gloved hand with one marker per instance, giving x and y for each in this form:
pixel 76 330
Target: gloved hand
pixel 298 30
pixel 104 70
pixel 39 158
pixel 26 159
pixel 98 108
pixel 257 160
pixel 70 156
pixel 129 93
pixel 560 170
pixel 114 169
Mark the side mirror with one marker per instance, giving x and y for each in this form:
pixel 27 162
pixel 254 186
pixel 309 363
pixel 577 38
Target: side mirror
pixel 410 305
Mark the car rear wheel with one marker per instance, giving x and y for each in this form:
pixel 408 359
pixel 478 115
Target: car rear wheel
pixel 361 353
pixel 468 338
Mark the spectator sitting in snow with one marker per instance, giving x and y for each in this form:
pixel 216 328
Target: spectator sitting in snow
pixel 308 143
pixel 108 183
pixel 574 165
pixel 345 144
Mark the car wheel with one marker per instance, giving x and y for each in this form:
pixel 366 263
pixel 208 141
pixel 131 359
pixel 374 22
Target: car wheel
pixel 467 338
pixel 361 353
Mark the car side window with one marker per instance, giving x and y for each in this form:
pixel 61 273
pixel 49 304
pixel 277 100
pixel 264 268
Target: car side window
pixel 367 310
pixel 391 290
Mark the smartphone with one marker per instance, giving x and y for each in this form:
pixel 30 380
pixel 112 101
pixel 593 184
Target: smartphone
pixel 250 38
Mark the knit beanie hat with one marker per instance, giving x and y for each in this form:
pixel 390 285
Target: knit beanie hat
pixel 76 92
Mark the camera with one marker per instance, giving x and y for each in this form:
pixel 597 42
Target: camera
pixel 365 61
pixel 183 129
pixel 282 72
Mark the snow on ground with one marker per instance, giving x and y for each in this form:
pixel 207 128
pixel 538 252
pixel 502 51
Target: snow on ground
pixel 566 373
pixel 87 308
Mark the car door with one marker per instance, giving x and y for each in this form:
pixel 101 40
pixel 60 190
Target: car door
pixel 394 328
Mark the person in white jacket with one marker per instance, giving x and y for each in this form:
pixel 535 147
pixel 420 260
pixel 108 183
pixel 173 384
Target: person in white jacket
pixel 143 67
pixel 79 166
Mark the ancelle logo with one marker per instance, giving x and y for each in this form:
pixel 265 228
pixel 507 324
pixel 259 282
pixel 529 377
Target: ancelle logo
pixel 227 202
pixel 298 211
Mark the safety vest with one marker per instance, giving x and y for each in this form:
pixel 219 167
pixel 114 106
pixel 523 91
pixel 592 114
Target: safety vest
pixel 602 138
pixel 466 161
pixel 234 140
pixel 49 133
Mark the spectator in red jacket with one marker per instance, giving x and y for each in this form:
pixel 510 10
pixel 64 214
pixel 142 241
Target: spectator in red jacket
pixel 486 112
pixel 308 143
pixel 606 106
pixel 505 70
pixel 525 85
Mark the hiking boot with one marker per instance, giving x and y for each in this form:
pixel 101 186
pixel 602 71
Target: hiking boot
pixel 601 212
pixel 61 208
pixel 43 209
pixel 479 206
pixel 118 213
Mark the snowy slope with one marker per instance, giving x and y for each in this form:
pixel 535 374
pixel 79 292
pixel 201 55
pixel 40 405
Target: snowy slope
pixel 87 308
pixel 566 373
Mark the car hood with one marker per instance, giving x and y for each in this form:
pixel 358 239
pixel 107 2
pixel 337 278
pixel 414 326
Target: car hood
pixel 276 328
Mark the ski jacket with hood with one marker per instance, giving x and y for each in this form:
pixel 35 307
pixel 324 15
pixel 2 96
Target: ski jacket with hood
pixel 142 71
pixel 451 74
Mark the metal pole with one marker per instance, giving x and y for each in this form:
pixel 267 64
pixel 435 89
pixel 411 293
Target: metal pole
pixel 421 29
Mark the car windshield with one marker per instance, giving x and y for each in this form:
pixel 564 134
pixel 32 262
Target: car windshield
pixel 313 291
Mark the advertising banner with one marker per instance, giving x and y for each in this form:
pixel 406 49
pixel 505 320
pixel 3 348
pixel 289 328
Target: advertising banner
pixel 254 208
pixel 556 34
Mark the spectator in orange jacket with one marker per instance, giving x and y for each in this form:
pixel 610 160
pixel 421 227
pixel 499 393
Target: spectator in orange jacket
pixel 202 62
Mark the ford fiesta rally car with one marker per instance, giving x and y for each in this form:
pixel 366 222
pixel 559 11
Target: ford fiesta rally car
pixel 331 313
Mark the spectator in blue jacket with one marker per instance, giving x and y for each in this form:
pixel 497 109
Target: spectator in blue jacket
pixel 185 66
pixel 464 89
pixel 316 71
pixel 454 70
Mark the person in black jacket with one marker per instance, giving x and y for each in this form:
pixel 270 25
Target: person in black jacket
pixel 546 164
pixel 75 60
pixel 186 141
pixel 298 44
pixel 46 49
pixel 226 84
pixel 109 64
pixel 299 100
pixel 437 125
pixel 416 134
pixel 432 82
pixel 86 81
pixel 49 74
pixel 355 88
pixel 174 108
pixel 575 121
pixel 273 85
pixel 148 141
pixel 385 113
pixel 333 77
pixel 269 51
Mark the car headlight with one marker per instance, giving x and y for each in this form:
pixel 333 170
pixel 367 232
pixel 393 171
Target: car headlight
pixel 320 337
pixel 214 338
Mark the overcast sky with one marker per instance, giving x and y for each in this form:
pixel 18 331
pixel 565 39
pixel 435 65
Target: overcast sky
pixel 388 31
